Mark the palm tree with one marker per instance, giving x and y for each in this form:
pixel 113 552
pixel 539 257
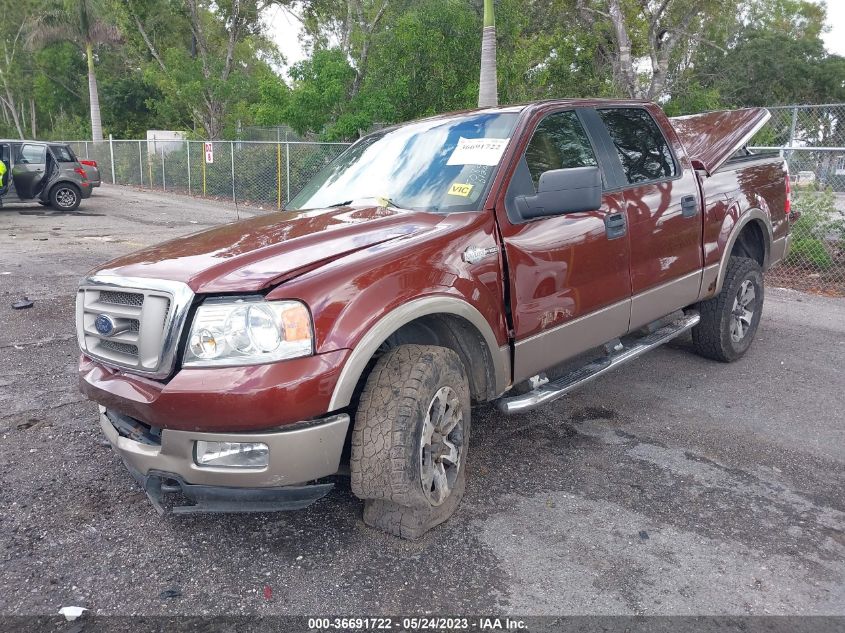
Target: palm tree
pixel 488 93
pixel 76 21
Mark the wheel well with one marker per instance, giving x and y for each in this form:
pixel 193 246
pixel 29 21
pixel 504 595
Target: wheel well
pixel 59 183
pixel 455 333
pixel 752 243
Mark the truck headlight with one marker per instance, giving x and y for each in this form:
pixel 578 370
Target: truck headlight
pixel 248 332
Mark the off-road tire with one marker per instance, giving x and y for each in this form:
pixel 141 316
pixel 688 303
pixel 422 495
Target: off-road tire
pixel 386 464
pixel 62 192
pixel 712 337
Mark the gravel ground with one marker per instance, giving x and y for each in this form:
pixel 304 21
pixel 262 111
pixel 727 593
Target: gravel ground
pixel 674 486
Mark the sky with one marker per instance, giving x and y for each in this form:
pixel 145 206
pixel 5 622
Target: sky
pixel 286 29
pixel 834 40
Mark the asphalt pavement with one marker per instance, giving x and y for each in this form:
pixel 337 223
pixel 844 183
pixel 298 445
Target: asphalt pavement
pixel 674 486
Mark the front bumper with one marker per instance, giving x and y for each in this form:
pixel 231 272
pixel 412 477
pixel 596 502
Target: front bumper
pixel 302 454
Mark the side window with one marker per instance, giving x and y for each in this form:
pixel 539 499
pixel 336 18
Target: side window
pixel 32 155
pixel 642 148
pixel 63 153
pixel 559 142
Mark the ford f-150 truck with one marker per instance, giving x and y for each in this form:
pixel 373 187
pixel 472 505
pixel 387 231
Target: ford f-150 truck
pixel 500 255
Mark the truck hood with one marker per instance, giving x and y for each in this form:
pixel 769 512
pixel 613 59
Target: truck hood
pixel 712 138
pixel 254 254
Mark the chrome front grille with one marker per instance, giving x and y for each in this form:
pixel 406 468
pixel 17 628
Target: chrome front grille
pixel 140 322
pixel 122 298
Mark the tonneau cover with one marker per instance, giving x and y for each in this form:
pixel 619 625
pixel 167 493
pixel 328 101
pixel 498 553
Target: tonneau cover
pixel 712 138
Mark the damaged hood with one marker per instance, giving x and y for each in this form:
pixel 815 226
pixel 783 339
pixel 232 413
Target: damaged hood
pixel 254 254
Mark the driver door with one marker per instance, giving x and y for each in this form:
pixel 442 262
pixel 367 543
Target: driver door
pixel 570 286
pixel 29 170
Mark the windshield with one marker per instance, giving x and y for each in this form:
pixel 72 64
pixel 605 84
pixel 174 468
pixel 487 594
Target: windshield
pixel 443 164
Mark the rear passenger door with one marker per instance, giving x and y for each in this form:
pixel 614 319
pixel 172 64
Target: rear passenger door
pixel 663 208
pixel 28 172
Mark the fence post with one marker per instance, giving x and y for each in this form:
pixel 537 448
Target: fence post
pixel 163 175
pixel 232 153
pixel 141 163
pixel 188 146
pixel 111 154
pixel 86 151
pixel 793 126
pixel 278 172
pixel 287 172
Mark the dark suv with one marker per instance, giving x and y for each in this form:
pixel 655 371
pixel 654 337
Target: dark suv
pixel 48 173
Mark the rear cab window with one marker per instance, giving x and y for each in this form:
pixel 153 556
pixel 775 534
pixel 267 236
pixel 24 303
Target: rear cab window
pixel 640 145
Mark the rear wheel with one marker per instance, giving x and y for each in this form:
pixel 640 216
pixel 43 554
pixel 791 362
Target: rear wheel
pixel 410 440
pixel 729 320
pixel 65 197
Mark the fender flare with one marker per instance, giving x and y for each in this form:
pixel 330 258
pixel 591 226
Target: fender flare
pixel 47 191
pixel 403 314
pixel 751 215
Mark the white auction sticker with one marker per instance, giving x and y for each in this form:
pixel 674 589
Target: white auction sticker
pixel 478 151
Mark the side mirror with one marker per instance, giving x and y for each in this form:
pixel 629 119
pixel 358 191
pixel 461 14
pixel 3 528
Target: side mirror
pixel 563 191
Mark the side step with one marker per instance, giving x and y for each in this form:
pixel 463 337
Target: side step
pixel 551 391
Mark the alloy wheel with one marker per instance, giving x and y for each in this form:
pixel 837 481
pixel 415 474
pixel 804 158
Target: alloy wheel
pixel 742 313
pixel 66 198
pixel 441 445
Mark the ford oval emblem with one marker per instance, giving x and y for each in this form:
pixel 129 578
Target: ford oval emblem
pixel 104 325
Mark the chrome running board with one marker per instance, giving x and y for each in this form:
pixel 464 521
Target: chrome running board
pixel 551 391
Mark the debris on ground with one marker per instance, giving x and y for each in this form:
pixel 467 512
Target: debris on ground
pixel 72 613
pixel 173 592
pixel 22 303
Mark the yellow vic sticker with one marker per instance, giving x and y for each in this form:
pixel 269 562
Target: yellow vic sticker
pixel 458 189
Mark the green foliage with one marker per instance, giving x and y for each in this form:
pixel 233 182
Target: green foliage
pixel 818 224
pixel 367 66
pixel 809 252
pixel 320 91
pixel 428 62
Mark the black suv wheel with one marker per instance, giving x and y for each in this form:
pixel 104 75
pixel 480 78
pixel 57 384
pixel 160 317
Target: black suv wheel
pixel 65 197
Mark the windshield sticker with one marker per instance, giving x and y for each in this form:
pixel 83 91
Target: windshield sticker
pixel 478 151
pixel 459 189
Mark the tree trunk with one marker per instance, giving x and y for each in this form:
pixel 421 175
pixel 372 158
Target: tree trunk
pixel 32 120
pixel 488 90
pixel 10 106
pixel 626 73
pixel 93 96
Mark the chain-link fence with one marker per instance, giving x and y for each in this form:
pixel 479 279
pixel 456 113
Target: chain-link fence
pixel 266 174
pixel 270 172
pixel 812 140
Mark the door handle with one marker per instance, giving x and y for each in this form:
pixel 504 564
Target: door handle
pixel 615 225
pixel 689 206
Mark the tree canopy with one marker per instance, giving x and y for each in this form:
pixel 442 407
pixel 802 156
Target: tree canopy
pixel 210 67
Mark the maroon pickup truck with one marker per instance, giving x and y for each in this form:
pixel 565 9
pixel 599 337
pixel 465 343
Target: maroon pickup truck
pixel 507 254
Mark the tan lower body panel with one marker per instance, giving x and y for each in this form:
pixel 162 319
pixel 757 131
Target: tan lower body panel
pixel 657 302
pixel 780 249
pixel 296 456
pixel 547 349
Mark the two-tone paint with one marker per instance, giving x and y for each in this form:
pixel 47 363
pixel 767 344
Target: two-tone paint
pixel 544 290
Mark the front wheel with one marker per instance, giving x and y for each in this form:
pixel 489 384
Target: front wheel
pixel 65 197
pixel 410 440
pixel 729 320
